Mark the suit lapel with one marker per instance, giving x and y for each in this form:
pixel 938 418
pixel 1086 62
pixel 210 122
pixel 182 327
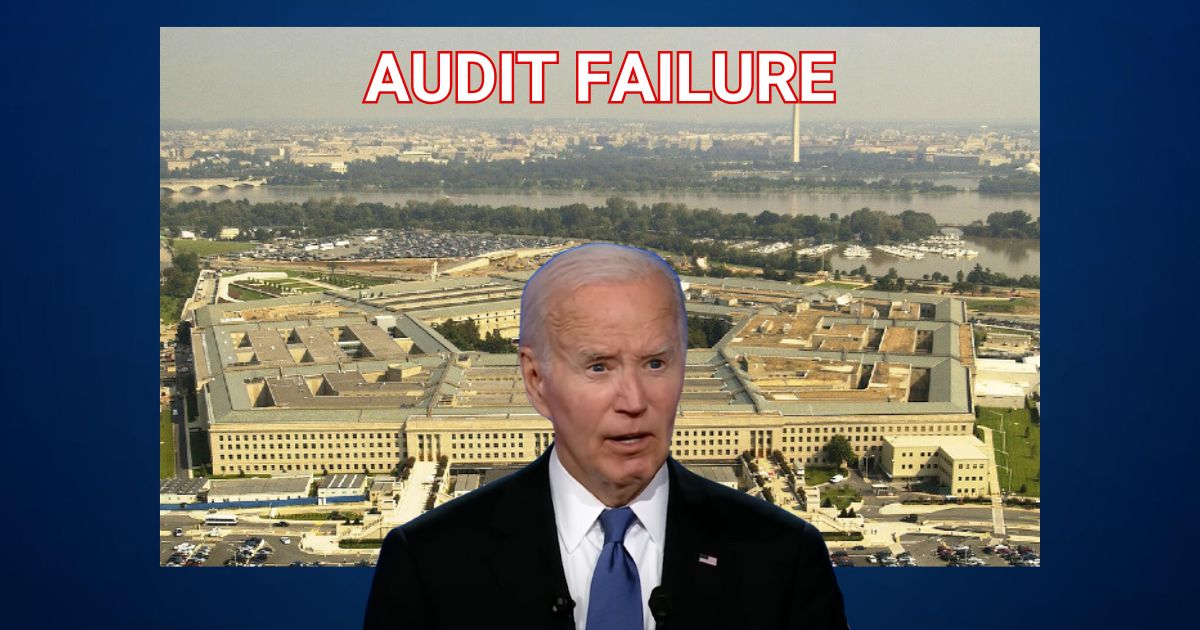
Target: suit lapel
pixel 693 562
pixel 525 562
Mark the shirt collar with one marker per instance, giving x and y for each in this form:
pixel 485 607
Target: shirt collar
pixel 576 509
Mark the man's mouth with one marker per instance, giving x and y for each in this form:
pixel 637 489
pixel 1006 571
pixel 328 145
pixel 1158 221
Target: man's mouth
pixel 629 439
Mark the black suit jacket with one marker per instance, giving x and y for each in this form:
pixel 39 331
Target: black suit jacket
pixel 490 559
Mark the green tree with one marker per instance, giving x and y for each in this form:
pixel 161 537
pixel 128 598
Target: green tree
pixel 838 450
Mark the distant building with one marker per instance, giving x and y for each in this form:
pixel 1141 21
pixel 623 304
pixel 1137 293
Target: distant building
pixel 312 384
pixel 1008 342
pixel 1004 382
pixel 341 485
pixel 724 475
pixel 179 165
pixel 383 489
pixel 955 160
pixel 465 483
pixel 255 489
pixel 228 234
pixel 958 463
pixel 181 490
pixel 999 394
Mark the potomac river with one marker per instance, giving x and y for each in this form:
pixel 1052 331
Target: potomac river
pixel 1011 257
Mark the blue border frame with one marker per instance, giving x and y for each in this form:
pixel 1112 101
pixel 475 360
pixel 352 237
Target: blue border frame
pixel 83 110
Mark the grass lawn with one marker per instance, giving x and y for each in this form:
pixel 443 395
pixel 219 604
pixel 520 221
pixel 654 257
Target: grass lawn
pixel 1014 305
pixel 244 293
pixel 169 308
pixel 347 279
pixel 207 248
pixel 300 286
pixel 321 516
pixel 347 543
pixel 166 450
pixel 817 475
pixel 1023 452
pixel 841 496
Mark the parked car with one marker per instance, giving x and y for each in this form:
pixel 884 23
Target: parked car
pixel 911 518
pixel 178 531
pixel 285 540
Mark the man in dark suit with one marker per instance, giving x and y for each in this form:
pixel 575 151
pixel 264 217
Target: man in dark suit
pixel 604 530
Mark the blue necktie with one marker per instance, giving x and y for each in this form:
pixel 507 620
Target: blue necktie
pixel 615 601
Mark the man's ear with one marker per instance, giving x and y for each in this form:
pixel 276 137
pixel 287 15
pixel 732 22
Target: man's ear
pixel 535 380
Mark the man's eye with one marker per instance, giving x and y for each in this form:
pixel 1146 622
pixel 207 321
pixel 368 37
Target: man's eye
pixel 596 368
pixel 657 364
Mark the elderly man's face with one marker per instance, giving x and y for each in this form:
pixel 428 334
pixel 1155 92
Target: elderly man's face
pixel 613 385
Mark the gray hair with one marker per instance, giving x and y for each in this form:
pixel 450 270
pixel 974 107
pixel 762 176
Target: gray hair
pixel 591 263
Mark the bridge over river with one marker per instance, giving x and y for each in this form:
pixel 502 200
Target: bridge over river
pixel 180 185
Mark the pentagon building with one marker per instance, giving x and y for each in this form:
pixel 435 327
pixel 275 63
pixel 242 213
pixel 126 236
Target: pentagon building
pixel 359 380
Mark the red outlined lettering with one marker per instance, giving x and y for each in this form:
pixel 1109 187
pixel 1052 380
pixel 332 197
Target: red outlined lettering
pixel 810 76
pixel 633 77
pixel 584 77
pixel 685 94
pixel 506 76
pixel 766 60
pixel 445 76
pixel 537 61
pixel 745 76
pixel 386 78
pixel 666 85
pixel 463 60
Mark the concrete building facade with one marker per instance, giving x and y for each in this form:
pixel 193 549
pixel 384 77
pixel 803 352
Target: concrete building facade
pixel 956 463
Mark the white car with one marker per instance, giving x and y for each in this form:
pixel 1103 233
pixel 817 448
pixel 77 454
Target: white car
pixel 836 478
pixel 285 540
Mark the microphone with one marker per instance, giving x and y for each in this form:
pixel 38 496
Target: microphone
pixel 564 607
pixel 660 607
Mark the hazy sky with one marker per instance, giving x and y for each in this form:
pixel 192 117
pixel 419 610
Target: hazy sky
pixel 969 75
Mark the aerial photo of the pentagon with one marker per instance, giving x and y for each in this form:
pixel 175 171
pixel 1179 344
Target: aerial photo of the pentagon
pixel 340 395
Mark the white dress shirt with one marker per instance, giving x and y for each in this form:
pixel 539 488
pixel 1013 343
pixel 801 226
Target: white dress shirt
pixel 580 537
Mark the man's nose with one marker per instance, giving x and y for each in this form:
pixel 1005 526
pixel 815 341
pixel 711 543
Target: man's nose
pixel 631 395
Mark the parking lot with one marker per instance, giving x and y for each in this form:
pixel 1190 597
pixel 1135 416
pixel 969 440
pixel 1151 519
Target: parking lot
pixel 224 545
pixel 924 549
pixel 223 551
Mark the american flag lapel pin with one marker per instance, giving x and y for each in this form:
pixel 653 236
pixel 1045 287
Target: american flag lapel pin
pixel 709 560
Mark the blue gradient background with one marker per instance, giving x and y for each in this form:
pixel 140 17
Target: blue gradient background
pixel 81 115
